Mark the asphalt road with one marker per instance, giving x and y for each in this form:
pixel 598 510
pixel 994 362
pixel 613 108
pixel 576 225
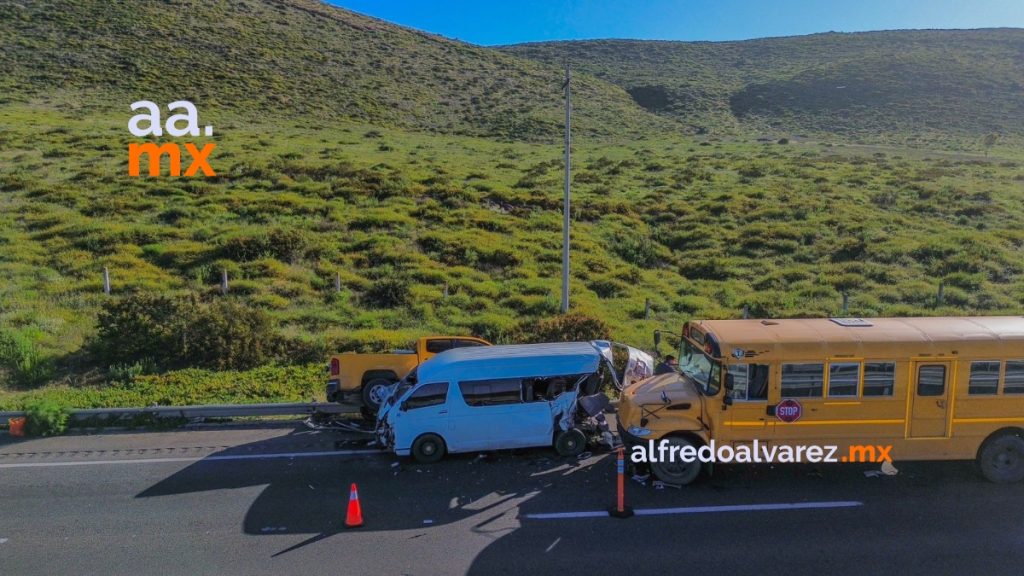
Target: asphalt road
pixel 271 500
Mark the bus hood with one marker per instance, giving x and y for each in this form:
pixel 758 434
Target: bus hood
pixel 663 389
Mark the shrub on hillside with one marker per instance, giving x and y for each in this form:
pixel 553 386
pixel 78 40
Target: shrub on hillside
pixel 21 359
pixel 388 292
pixel 572 327
pixel 143 326
pixel 228 335
pixel 172 332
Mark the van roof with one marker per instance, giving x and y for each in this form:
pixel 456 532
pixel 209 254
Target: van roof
pixel 973 336
pixel 512 361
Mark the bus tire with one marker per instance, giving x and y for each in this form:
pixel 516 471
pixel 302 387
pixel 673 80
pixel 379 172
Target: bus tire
pixel 1001 458
pixel 571 442
pixel 677 472
pixel 373 393
pixel 428 449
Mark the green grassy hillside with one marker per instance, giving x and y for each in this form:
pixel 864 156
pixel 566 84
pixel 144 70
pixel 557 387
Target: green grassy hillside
pixel 296 58
pixel 899 86
pixel 427 232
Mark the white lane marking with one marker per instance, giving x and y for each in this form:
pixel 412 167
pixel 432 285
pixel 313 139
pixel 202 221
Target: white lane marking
pixel 3 540
pixel 223 457
pixel 701 510
pixel 561 515
pixel 553 544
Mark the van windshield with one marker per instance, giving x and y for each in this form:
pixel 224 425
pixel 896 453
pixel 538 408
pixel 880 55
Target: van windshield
pixel 696 365
pixel 404 386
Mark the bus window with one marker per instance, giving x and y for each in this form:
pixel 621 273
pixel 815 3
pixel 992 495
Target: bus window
pixel 1013 383
pixel 696 365
pixel 984 378
pixel 750 381
pixel 802 380
pixel 931 380
pixel 843 379
pixel 879 378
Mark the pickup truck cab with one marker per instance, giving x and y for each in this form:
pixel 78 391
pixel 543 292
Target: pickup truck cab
pixel 364 379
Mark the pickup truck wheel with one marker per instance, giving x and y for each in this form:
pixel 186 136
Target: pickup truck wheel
pixel 1002 459
pixel 428 448
pixel 373 393
pixel 571 442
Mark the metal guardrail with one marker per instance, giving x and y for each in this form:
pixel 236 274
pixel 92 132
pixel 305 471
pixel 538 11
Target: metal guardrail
pixel 206 411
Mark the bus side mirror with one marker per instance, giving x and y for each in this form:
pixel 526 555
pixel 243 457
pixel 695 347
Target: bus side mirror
pixel 727 401
pixel 730 382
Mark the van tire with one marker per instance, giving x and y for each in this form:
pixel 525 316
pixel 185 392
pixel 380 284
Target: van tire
pixel 372 392
pixel 678 473
pixel 571 442
pixel 1001 458
pixel 428 449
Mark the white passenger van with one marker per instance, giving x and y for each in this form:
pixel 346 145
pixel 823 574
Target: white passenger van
pixel 496 397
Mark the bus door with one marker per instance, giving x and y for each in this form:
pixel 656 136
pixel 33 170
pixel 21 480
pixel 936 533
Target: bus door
pixel 930 398
pixel 747 418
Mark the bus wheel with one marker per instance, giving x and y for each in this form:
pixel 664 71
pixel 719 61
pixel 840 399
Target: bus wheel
pixel 1002 459
pixel 570 443
pixel 675 471
pixel 428 448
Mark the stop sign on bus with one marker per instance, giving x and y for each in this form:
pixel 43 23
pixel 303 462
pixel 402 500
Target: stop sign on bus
pixel 789 410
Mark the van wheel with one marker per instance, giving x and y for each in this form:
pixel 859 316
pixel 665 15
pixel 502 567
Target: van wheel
pixel 428 448
pixel 571 442
pixel 676 471
pixel 1001 459
pixel 373 393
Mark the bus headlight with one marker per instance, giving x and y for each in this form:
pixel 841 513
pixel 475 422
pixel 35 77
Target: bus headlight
pixel 638 431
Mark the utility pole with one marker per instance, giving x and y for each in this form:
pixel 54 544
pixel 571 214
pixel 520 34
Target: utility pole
pixel 565 209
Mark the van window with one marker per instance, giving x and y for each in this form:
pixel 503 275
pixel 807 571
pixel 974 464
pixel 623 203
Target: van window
pixel 749 381
pixel 843 379
pixel 802 380
pixel 1014 380
pixel 428 395
pixel 543 389
pixel 879 378
pixel 492 392
pixel 984 378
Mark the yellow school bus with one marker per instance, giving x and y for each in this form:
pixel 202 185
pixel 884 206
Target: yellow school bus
pixel 931 388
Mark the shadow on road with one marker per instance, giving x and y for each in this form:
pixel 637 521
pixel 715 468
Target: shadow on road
pixel 309 495
pixel 493 495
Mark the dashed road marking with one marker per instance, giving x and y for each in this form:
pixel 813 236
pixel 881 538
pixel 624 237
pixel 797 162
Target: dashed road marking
pixel 216 458
pixel 700 510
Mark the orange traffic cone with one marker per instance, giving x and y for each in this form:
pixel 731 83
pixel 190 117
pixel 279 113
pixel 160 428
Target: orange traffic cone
pixel 354 518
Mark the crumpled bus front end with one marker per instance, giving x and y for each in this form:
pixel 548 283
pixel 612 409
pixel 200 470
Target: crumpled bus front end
pixel 658 407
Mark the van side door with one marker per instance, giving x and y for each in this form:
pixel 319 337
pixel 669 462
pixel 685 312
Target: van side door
pixel 487 417
pixel 929 414
pixel 747 418
pixel 424 411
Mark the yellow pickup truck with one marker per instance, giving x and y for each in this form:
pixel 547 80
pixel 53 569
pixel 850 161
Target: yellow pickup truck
pixel 363 379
